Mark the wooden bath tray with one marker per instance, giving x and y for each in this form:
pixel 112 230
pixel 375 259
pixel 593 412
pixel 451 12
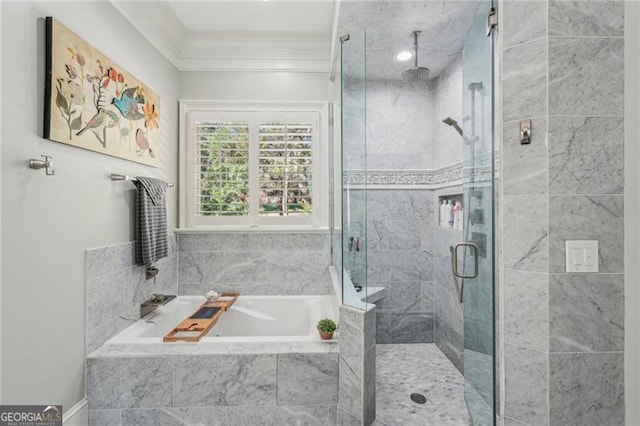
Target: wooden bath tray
pixel 198 324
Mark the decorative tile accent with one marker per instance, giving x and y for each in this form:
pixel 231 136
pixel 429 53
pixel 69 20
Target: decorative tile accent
pixel 526 309
pixel 578 70
pixel 526 385
pixel 586 155
pixel 586 18
pixel 213 380
pixel 524 81
pixel 426 179
pixel 307 379
pixel 586 218
pixel 586 389
pixel 129 382
pixel 586 312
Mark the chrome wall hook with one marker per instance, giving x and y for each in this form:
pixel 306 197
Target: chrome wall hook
pixel 46 164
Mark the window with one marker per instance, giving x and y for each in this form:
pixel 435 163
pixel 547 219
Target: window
pixel 252 167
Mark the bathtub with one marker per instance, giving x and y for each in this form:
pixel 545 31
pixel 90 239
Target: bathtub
pixel 251 319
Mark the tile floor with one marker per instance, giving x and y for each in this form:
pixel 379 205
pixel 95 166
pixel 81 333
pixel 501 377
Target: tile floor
pixel 403 369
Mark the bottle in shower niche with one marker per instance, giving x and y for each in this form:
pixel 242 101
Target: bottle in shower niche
pixel 449 214
pixel 457 216
pixel 443 213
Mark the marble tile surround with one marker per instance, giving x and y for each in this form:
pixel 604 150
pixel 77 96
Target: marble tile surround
pixel 586 389
pixel 225 389
pixel 598 65
pixel 526 390
pixel 586 18
pixel 115 287
pixel 400 258
pixel 586 155
pixel 586 312
pixel 571 360
pixel 357 365
pixel 524 81
pixel 254 263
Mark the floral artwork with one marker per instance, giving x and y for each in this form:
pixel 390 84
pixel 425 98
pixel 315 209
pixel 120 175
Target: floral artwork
pixel 93 103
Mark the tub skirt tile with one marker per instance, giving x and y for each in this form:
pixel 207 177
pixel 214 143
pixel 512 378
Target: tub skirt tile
pixel 307 379
pixel 210 416
pixel 105 417
pixel 129 382
pixel 301 415
pixel 215 380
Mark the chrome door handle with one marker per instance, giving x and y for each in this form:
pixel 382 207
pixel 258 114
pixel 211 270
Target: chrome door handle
pixel 454 253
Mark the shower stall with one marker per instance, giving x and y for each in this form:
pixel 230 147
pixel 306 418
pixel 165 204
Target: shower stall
pixel 410 141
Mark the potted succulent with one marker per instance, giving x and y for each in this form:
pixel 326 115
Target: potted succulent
pixel 326 327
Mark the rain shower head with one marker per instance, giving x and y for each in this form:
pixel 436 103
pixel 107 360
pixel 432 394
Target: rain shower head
pixel 416 73
pixel 453 123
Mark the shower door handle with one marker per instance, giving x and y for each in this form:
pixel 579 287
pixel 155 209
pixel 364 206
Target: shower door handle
pixel 454 253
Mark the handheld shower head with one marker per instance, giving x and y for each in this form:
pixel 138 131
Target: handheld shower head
pixel 453 123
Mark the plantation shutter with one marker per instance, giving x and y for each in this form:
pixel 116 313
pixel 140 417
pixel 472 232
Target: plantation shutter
pixel 221 168
pixel 285 167
pixel 251 168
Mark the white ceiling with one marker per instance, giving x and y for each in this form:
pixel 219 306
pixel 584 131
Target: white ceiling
pixel 255 16
pixel 296 35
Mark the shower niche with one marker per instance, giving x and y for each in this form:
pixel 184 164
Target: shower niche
pixel 450 210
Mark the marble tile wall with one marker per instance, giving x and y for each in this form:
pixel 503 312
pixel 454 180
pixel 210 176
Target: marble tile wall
pixel 563 332
pixel 357 370
pixel 213 389
pixel 254 263
pixel 400 258
pixel 398 135
pixel 449 322
pixel 115 287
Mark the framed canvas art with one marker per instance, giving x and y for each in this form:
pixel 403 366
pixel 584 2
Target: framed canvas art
pixel 93 103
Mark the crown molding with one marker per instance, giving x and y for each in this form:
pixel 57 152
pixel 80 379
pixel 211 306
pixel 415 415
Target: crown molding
pixel 226 51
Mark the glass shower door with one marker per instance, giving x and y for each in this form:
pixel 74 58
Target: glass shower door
pixel 354 165
pixel 478 248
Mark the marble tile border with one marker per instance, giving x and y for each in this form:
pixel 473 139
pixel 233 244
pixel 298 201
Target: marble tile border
pixel 408 179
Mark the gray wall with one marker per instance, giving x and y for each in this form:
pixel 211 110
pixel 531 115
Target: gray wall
pixel 49 221
pixel 563 333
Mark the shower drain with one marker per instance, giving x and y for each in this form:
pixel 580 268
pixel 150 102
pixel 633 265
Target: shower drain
pixel 418 398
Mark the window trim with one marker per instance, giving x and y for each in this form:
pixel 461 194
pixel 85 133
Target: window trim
pixel 319 218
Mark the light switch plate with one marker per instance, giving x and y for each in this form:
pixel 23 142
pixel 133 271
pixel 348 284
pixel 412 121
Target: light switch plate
pixel 581 255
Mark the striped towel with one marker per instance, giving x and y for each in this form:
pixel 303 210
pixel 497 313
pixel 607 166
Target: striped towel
pixel 151 220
